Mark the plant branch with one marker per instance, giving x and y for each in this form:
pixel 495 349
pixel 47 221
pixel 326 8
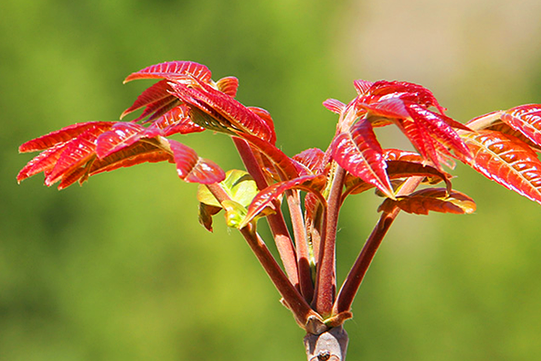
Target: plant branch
pixel 277 224
pixel 326 275
pixel 356 275
pixel 303 256
pixel 291 296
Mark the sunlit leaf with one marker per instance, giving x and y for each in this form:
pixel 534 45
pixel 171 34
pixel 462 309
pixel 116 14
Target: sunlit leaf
pixel 284 165
pixel 239 186
pixel 76 153
pixel 359 152
pixel 335 106
pixel 229 111
pixel 60 136
pixel 191 168
pixel 527 120
pixel 175 121
pixel 431 199
pixel 172 70
pixel 153 98
pixel 506 160
pixel 228 85
pixel 312 159
pixel 121 135
pixel 137 153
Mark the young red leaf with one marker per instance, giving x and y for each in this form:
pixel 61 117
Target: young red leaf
pixel 440 131
pixel 77 153
pixel 506 160
pixel 228 85
pixel 43 162
pixel 431 199
pixel 525 119
pixel 335 106
pixel 175 121
pixel 137 153
pixel 359 152
pixel 309 183
pixel 399 169
pixel 153 98
pixel 285 166
pixel 230 112
pixel 120 136
pixel 172 70
pixel 192 168
pixel 312 159
pixel 61 136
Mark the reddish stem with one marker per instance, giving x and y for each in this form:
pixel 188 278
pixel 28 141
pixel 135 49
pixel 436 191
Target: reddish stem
pixel 277 224
pixel 303 256
pixel 293 299
pixel 353 281
pixel 326 275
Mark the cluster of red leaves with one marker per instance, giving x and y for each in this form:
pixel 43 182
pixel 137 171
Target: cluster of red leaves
pixel 500 145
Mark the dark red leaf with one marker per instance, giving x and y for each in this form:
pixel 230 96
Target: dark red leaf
pixel 172 70
pixel 192 168
pixel 359 152
pixel 506 160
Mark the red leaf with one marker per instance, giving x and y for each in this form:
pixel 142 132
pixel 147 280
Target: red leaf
pixel 120 136
pixel 140 152
pixel 228 85
pixel 313 159
pixel 359 152
pixel 335 106
pixel 408 92
pixel 362 86
pixel 284 164
pixel 233 114
pixel 175 121
pixel 60 136
pixel 172 70
pixel 158 93
pixel 43 162
pixel 440 131
pixel 192 168
pixel 309 183
pixel 431 199
pixel 525 119
pixel 506 160
pixel 76 153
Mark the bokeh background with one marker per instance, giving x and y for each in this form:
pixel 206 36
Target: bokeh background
pixel 121 270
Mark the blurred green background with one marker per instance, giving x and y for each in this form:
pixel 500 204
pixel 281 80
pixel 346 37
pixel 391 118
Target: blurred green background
pixel 121 270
